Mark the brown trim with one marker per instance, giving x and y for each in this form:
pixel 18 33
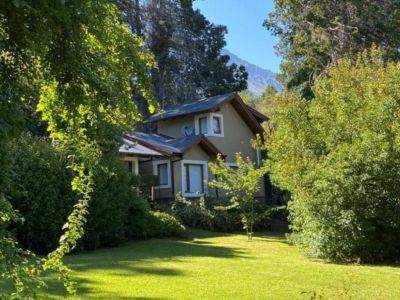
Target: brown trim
pixel 148 145
pixel 246 115
pixel 206 145
pixel 187 190
pixel 259 116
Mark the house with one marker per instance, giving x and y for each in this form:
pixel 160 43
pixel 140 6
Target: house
pixel 187 137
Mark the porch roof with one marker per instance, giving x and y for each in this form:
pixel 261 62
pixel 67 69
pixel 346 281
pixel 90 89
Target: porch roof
pixel 169 146
pixel 136 149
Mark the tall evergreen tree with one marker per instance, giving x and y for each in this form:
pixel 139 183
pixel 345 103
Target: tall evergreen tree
pixel 187 49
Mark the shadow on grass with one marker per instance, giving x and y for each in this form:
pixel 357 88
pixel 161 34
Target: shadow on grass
pixel 136 258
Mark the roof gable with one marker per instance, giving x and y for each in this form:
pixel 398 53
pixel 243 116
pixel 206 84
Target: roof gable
pixel 203 105
pixel 251 117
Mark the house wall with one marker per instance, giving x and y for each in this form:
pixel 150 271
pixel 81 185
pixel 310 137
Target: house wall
pixel 237 138
pixel 172 127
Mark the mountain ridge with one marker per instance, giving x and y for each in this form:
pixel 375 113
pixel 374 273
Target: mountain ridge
pixel 259 78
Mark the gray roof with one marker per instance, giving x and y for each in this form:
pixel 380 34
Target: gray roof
pixel 133 148
pixel 199 106
pixel 165 143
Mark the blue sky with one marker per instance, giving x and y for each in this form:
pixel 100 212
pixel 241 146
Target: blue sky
pixel 246 37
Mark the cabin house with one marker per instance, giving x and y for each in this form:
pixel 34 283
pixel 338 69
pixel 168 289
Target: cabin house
pixel 187 137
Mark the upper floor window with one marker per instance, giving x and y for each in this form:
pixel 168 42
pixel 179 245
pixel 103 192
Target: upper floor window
pixel 203 124
pixel 216 124
pixel 210 124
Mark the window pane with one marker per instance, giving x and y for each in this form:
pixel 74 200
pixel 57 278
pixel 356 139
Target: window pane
pixel 129 165
pixel 203 125
pixel 194 178
pixel 217 125
pixel 162 174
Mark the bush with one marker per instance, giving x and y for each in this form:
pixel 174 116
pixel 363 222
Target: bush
pixel 194 214
pixel 40 190
pixel 114 201
pixel 155 224
pixel 339 157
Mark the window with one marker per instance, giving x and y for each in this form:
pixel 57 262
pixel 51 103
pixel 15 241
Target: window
pixel 129 165
pixel 211 124
pixel 194 179
pixel 193 175
pixel 203 125
pixel 216 125
pixel 162 169
pixel 132 164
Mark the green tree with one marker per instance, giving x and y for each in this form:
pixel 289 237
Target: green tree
pixel 240 184
pixel 74 61
pixel 315 34
pixel 187 48
pixel 339 156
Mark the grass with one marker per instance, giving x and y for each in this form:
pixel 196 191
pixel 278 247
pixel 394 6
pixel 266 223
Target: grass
pixel 221 266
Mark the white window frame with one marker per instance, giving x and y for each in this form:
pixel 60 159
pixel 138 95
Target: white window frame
pixel 183 176
pixel 155 172
pixel 221 123
pixel 135 162
pixel 209 119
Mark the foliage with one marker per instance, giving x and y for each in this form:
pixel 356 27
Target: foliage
pixel 187 49
pixel 74 61
pixel 194 214
pixel 155 224
pixel 240 185
pixel 162 224
pixel 315 34
pixel 339 156
pixel 41 192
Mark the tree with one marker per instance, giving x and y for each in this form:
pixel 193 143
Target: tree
pixel 240 184
pixel 339 156
pixel 73 61
pixel 315 34
pixel 187 49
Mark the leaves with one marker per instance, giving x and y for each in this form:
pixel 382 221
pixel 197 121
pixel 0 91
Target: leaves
pixel 339 157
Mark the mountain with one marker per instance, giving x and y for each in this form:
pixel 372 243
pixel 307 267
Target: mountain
pixel 259 78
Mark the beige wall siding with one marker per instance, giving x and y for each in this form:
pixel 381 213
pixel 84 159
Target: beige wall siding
pixel 173 127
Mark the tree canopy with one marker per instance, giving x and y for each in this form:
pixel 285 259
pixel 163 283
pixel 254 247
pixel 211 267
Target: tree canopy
pixel 339 156
pixel 315 34
pixel 187 48
pixel 74 62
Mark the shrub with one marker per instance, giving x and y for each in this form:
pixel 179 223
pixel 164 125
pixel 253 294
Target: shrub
pixel 155 224
pixel 40 190
pixel 162 224
pixel 339 157
pixel 114 201
pixel 194 214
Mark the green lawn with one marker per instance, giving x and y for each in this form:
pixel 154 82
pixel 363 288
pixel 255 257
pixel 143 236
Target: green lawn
pixel 221 266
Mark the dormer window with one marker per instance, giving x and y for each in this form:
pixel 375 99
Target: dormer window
pixel 203 124
pixel 210 124
pixel 216 124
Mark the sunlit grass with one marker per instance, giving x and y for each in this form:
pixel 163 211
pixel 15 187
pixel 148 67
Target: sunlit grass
pixel 221 266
